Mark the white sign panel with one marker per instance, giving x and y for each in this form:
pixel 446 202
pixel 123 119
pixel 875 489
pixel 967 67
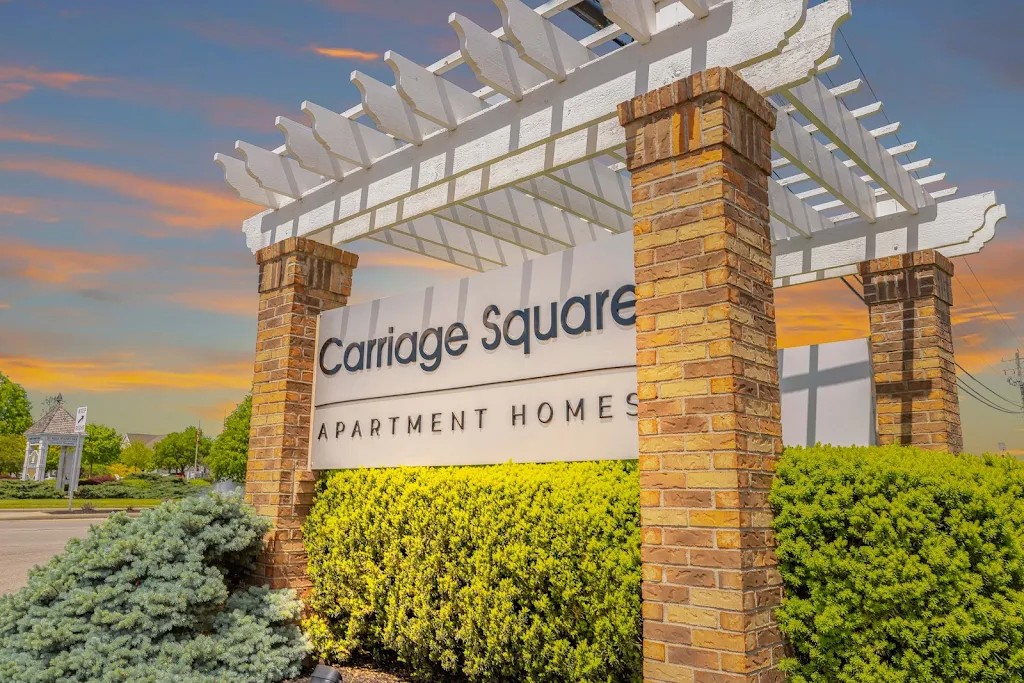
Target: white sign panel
pixel 533 363
pixel 828 394
pixel 80 420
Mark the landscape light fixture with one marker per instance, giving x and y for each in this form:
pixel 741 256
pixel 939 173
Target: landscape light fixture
pixel 325 674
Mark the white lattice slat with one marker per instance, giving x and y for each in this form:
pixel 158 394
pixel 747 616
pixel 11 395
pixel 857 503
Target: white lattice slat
pixel 882 132
pixel 637 17
pixel 417 246
pixel 310 152
pixel 811 45
pixel 788 209
pixel 531 214
pixel 568 198
pixel 389 111
pixel 824 110
pixel 539 42
pixel 347 139
pixel 934 227
pixel 244 185
pixel 493 61
pixel 820 165
pixel 277 173
pixel 432 97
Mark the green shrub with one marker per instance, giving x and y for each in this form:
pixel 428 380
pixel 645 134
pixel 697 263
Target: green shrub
pixel 198 482
pixel 15 489
pixel 165 489
pixel 154 599
pixel 501 574
pixel 901 566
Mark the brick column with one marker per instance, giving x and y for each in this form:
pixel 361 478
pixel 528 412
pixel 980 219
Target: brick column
pixel 298 279
pixel 710 430
pixel 912 350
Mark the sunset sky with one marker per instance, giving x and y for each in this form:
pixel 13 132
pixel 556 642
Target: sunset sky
pixel 125 282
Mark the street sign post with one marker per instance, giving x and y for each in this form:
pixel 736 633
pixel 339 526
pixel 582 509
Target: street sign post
pixel 76 459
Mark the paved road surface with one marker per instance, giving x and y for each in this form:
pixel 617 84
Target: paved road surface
pixel 26 543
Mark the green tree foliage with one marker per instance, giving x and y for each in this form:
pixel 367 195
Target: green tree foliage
pixel 177 450
pixel 157 599
pixel 901 566
pixel 15 408
pixel 102 445
pixel 138 455
pixel 12 453
pixel 230 451
pixel 499 574
pixel 49 403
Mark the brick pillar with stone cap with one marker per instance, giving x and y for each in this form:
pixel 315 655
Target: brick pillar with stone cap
pixel 298 280
pixel 707 372
pixel 909 298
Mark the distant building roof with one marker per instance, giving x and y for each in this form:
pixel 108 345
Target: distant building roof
pixel 148 440
pixel 56 421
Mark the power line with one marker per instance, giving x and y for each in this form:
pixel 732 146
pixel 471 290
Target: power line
pixel 987 388
pixel 966 263
pixel 871 89
pixel 967 390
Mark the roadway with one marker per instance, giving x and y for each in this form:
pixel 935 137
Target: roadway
pixel 25 543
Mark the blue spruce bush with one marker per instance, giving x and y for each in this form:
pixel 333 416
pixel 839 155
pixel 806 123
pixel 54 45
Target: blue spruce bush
pixel 154 599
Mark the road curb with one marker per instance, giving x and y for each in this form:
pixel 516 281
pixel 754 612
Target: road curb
pixel 29 515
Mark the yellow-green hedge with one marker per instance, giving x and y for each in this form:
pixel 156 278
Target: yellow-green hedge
pixel 901 566
pixel 505 573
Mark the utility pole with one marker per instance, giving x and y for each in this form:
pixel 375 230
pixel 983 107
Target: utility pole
pixel 1015 375
pixel 195 463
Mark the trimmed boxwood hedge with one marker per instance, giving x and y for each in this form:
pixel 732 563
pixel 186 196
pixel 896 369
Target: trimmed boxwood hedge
pixel 901 566
pixel 504 573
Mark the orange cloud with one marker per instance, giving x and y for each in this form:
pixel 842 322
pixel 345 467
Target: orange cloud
pixel 819 313
pixel 344 53
pixel 60 80
pixel 56 265
pixel 218 301
pixel 111 375
pixel 226 110
pixel 3 306
pixel 173 205
pixel 14 91
pixel 27 136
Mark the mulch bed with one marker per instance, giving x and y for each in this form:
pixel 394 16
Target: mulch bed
pixel 356 674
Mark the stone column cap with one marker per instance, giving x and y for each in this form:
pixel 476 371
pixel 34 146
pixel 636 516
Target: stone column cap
pixel 717 79
pixel 916 259
pixel 294 245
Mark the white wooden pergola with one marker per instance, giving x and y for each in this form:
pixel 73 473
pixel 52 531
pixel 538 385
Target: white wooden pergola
pixel 532 162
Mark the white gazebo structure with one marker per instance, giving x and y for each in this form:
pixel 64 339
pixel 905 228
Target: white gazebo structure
pixel 747 170
pixel 55 428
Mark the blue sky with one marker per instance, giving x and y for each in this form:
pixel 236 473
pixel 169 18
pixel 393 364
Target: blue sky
pixel 126 284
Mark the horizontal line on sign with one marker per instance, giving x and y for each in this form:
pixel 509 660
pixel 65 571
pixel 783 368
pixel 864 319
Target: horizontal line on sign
pixel 474 386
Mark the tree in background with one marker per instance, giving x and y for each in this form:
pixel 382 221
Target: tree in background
pixel 15 408
pixel 177 450
pixel 102 446
pixel 12 453
pixel 49 403
pixel 138 456
pixel 230 452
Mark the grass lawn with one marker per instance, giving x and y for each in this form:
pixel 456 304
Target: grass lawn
pixel 57 503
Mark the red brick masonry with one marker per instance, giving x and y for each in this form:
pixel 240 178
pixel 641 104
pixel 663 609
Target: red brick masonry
pixel 710 430
pixel 299 278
